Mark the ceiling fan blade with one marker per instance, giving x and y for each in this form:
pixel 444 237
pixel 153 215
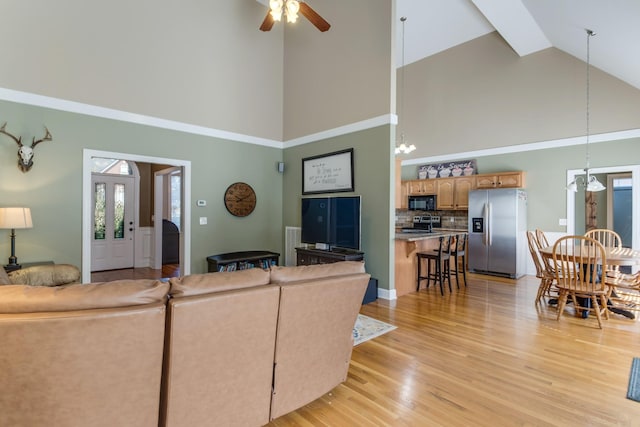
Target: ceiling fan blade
pixel 267 24
pixel 313 17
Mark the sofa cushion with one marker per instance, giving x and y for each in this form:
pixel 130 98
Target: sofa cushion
pixel 198 284
pixel 4 279
pixel 119 293
pixel 316 271
pixel 46 275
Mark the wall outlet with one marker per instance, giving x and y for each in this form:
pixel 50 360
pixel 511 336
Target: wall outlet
pixel 203 220
pixel 201 203
pixel 562 221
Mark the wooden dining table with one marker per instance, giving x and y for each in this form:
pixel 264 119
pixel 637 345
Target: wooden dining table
pixel 614 256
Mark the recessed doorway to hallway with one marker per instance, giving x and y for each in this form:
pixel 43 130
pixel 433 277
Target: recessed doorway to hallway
pixel 141 238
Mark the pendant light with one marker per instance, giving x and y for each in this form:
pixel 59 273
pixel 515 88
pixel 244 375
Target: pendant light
pixel 590 183
pixel 403 147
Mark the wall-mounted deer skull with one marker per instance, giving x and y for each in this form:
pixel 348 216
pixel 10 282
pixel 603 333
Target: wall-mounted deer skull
pixel 25 152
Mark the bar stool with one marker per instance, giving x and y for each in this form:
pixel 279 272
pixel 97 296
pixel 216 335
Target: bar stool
pixel 440 257
pixel 459 251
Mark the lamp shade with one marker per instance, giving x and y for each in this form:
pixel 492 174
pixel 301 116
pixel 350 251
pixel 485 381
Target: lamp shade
pixel 15 218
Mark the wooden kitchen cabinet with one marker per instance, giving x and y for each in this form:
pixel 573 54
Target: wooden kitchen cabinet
pixel 420 187
pixel 453 193
pixel 501 180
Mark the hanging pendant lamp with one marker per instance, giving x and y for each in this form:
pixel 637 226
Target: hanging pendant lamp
pixel 590 183
pixel 402 147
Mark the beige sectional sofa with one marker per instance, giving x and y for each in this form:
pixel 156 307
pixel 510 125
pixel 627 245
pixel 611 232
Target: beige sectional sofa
pixel 230 349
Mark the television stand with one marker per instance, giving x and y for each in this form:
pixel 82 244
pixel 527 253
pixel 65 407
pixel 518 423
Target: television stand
pixel 242 260
pixel 305 256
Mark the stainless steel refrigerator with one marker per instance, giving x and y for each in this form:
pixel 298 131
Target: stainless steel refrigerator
pixel 497 232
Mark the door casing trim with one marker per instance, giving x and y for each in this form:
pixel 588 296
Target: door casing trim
pixel 87 155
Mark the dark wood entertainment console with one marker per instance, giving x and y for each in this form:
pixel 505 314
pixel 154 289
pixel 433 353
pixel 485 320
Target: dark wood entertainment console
pixel 242 260
pixel 306 256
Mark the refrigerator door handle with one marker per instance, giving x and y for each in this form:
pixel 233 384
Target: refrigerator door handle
pixel 485 224
pixel 489 227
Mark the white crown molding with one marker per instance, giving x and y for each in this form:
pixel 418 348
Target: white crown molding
pixel 556 143
pixel 343 130
pixel 109 113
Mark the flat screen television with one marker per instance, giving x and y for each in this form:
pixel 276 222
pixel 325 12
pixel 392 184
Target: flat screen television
pixel 315 220
pixel 333 221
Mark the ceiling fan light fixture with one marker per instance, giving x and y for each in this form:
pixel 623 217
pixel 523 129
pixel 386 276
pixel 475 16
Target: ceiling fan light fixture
pixel 276 9
pixel 292 10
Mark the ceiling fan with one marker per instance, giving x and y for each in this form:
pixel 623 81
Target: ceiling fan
pixel 291 9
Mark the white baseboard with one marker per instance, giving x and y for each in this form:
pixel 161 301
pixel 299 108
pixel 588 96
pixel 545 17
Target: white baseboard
pixel 387 294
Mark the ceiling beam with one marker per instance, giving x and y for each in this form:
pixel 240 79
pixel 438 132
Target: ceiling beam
pixel 515 24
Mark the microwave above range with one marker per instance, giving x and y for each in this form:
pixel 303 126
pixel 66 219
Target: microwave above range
pixel 422 203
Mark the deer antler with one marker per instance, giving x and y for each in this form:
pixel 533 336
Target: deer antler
pixel 47 137
pixel 17 140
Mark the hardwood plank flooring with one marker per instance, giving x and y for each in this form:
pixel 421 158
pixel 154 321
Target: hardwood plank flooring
pixel 484 355
pixel 168 270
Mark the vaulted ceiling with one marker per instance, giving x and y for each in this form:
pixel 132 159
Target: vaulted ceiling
pixel 528 26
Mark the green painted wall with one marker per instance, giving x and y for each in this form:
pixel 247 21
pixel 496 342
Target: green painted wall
pixel 373 169
pixel 547 174
pixel 52 189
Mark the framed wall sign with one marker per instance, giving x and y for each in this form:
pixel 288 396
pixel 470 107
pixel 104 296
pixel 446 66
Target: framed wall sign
pixel 444 170
pixel 328 173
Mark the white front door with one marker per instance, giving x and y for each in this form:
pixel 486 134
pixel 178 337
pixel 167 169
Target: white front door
pixel 113 222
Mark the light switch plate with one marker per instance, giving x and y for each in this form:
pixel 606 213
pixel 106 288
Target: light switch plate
pixel 562 221
pixel 203 220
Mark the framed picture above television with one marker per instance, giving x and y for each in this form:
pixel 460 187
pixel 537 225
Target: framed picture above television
pixel 328 173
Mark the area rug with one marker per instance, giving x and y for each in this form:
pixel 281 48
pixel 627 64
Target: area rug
pixel 633 392
pixel 367 328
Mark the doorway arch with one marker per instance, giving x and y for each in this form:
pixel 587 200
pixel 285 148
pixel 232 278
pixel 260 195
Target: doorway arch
pixel 185 237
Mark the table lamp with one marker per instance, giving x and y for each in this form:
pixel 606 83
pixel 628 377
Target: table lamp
pixel 12 218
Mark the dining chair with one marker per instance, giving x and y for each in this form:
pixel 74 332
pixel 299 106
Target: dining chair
pixel 608 238
pixel 458 251
pixel 542 238
pixel 546 276
pixel 626 291
pixel 547 261
pixel 440 258
pixel 577 259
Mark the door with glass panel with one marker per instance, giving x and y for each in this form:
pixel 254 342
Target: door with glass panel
pixel 620 206
pixel 113 222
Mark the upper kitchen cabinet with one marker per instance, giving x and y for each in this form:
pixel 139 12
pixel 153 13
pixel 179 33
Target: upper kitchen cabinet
pixel 419 187
pixel 453 193
pixel 501 180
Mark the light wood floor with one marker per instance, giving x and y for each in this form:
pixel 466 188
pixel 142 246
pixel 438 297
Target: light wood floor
pixel 483 356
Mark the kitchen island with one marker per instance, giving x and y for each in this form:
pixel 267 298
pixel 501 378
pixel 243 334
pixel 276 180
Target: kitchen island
pixel 406 263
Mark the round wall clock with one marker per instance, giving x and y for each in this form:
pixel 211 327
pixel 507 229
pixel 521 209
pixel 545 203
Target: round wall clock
pixel 240 199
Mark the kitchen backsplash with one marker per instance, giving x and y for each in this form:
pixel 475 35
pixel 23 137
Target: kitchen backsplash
pixel 448 219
